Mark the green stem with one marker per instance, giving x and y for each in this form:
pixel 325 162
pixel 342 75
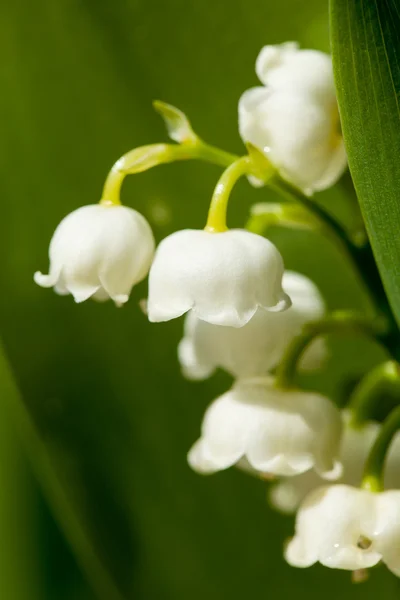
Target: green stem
pixel 214 155
pixel 149 156
pixel 377 383
pixel 373 478
pixel 339 323
pixel 112 187
pixel 216 222
pixel 361 258
pixel 286 189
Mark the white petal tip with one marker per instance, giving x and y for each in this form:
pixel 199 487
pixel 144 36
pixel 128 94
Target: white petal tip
pixel 198 462
pixel 191 367
pixel 82 294
pixel 156 315
pixel 46 281
pixel 271 57
pixel 334 473
pixel 120 300
pixel 296 556
pixel 283 304
pixel 196 373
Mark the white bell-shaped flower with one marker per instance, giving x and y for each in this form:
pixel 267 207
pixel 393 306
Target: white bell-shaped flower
pixel 99 251
pixel 294 118
pixel 287 494
pixel 281 432
pixel 258 346
pixel 223 277
pixel 344 527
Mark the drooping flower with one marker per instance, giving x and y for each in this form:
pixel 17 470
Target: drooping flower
pixel 99 251
pixel 222 277
pixel 281 432
pixel 287 494
pixel 258 346
pixel 343 527
pixel 294 118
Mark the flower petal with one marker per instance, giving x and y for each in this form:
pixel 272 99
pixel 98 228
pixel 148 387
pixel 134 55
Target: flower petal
pixel 274 57
pixel 46 281
pixel 192 367
pixel 255 348
pixel 222 277
pixel 203 461
pixel 82 292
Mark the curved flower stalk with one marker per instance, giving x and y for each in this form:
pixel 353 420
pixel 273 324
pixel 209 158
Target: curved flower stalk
pixel 222 277
pixel 286 495
pixel 294 118
pixel 258 346
pixel 343 527
pixel 99 251
pixel 277 432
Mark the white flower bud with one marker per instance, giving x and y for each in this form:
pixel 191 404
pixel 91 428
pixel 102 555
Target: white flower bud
pixel 99 251
pixel 287 494
pixel 294 119
pixel 258 346
pixel 281 432
pixel 223 277
pixel 343 527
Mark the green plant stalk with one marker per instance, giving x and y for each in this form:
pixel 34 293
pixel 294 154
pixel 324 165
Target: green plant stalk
pixel 216 221
pixel 373 478
pixel 340 322
pixel 379 382
pixel 146 157
pixel 361 258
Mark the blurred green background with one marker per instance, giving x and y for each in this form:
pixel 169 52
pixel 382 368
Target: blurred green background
pixel 96 498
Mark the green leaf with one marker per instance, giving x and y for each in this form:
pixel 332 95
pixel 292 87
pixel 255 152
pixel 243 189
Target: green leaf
pixel 366 55
pixel 20 551
pixel 46 465
pixel 177 123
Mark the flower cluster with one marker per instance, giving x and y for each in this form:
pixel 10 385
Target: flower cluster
pixel 245 314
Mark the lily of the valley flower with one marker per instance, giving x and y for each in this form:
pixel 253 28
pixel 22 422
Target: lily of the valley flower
pixel 343 527
pixel 282 432
pixel 258 346
pixel 223 277
pixel 294 118
pixel 99 251
pixel 287 494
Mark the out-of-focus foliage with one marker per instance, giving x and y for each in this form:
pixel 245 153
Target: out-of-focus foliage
pixel 109 417
pixel 20 569
pixel 366 50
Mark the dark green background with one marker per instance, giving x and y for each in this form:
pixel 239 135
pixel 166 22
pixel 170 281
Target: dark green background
pixel 101 448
